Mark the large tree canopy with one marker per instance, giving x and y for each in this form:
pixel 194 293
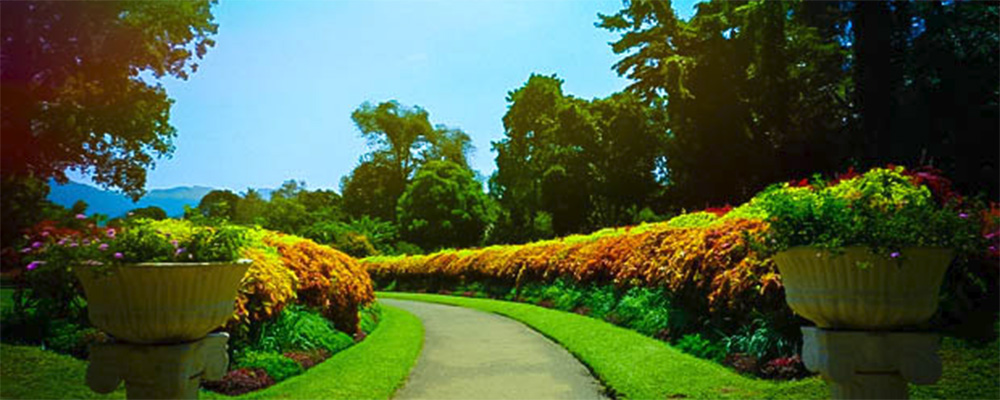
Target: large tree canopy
pixel 401 139
pixel 587 164
pixel 77 83
pixel 763 91
pixel 444 206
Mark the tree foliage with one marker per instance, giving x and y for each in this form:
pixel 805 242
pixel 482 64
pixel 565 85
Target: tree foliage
pixel 444 206
pixel 765 91
pixel 76 87
pixel 586 164
pixel 401 139
pixel 219 204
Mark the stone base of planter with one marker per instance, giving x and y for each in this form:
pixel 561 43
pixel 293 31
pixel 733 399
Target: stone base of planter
pixel 871 365
pixel 158 371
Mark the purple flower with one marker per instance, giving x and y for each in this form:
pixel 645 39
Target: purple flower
pixel 81 216
pixel 36 245
pixel 894 254
pixel 111 232
pixel 963 215
pixel 45 233
pixel 103 246
pixel 72 244
pixel 86 242
pixel 33 265
pixel 174 242
pixel 178 252
pixel 26 250
pixel 62 241
pixel 119 255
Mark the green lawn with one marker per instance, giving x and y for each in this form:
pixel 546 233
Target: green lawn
pixel 372 369
pixel 638 367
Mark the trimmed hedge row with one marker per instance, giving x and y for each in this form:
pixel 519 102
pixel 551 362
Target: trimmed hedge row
pixel 292 270
pixel 712 269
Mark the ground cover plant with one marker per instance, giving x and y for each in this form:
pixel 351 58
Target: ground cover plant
pixel 298 304
pixel 371 369
pixel 634 366
pixel 722 297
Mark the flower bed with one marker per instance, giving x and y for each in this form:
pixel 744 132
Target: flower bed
pixel 322 289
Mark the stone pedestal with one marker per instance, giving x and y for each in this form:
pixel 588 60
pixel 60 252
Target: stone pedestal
pixel 171 371
pixel 871 364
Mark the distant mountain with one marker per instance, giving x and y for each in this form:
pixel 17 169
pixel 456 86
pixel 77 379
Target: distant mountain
pixel 114 204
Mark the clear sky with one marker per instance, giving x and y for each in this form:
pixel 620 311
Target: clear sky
pixel 272 100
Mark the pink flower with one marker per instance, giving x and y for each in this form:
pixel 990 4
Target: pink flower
pixel 174 242
pixel 81 216
pixel 26 250
pixel 103 246
pixel 62 241
pixel 73 244
pixel 86 242
pixel 119 256
pixel 963 215
pixel 36 245
pixel 33 265
pixel 111 232
pixel 45 233
pixel 894 254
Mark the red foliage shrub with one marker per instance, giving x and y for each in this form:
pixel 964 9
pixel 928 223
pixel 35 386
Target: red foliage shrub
pixel 240 381
pixel 308 359
pixel 784 368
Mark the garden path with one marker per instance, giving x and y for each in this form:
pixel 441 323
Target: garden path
pixel 470 354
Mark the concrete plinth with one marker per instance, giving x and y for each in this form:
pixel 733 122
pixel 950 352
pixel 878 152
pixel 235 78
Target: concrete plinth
pixel 871 364
pixel 172 371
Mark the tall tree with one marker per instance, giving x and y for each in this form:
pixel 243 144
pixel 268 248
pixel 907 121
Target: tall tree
pixel 400 139
pixel 586 164
pixel 74 79
pixel 764 91
pixel 444 206
pixel 747 85
pixel 219 204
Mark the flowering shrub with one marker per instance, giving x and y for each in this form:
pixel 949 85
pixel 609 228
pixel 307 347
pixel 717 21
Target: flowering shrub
pixel 285 270
pixel 885 209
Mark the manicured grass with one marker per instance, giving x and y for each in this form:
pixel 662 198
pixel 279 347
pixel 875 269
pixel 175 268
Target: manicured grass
pixel 372 369
pixel 638 367
pixel 32 373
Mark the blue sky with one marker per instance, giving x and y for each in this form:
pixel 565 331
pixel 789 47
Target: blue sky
pixel 272 100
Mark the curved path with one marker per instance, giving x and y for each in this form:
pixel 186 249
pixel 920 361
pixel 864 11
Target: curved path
pixel 470 354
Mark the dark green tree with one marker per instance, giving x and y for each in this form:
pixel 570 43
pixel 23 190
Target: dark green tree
pixel 151 212
pixel 444 206
pixel 74 98
pixel 250 208
pixel 219 204
pixel 584 164
pixel 400 139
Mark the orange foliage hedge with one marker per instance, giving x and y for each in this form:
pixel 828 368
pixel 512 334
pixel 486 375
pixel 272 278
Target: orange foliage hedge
pixel 713 265
pixel 291 270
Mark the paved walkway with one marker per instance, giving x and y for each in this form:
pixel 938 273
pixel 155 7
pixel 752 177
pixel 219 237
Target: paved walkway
pixel 471 354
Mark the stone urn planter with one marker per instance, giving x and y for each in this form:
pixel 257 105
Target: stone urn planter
pixel 161 316
pixel 865 306
pixel 161 302
pixel 858 289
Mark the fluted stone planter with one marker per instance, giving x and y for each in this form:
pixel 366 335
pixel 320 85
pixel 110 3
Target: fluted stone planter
pixel 161 302
pixel 858 289
pixel 161 316
pixel 864 306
